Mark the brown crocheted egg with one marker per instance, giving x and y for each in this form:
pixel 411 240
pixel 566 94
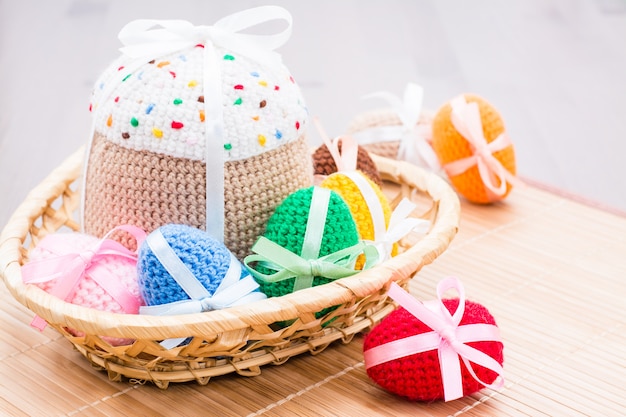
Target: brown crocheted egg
pixel 324 163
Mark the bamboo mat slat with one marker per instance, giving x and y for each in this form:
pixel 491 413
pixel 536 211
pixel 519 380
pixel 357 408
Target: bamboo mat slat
pixel 552 272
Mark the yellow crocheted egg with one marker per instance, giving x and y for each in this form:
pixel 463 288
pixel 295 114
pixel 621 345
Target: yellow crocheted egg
pixel 347 188
pixel 450 146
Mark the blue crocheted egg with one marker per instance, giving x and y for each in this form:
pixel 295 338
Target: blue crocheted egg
pixel 206 258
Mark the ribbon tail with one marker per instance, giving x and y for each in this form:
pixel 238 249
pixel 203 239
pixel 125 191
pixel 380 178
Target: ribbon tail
pixel 235 294
pixel 302 282
pixel 172 309
pixel 39 323
pixel 172 343
pixel 451 378
pixel 492 175
pixel 413 100
pixel 427 153
pixel 252 17
pixel 471 355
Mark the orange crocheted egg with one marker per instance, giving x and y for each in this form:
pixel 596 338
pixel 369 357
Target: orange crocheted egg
pixel 450 146
pixel 354 194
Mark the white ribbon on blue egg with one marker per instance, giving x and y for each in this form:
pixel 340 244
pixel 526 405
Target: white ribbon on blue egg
pixel 400 224
pixel 413 145
pixel 147 39
pixel 231 291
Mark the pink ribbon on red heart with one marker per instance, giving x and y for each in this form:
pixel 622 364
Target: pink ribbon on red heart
pixel 447 337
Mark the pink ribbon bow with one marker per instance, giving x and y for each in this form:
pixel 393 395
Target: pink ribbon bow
pixel 69 266
pixel 447 337
pixel 466 120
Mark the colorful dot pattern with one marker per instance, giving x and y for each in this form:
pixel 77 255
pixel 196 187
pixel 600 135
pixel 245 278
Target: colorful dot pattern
pixel 160 107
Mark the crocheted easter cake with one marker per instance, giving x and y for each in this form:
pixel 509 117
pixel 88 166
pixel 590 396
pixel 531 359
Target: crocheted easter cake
pixel 159 117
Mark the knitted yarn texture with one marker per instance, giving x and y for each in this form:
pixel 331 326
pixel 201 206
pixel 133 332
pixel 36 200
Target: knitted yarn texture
pixel 353 196
pixel 324 163
pixel 205 257
pixel 287 228
pixel 418 376
pixel 160 107
pixel 147 158
pixel 88 293
pixel 450 145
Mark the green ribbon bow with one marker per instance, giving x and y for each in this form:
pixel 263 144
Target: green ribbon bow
pixel 288 265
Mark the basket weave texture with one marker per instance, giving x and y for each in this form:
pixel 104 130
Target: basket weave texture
pixel 237 339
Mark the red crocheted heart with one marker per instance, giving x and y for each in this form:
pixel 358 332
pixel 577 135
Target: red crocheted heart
pixel 418 377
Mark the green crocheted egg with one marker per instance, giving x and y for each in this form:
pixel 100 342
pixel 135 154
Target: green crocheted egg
pixel 288 224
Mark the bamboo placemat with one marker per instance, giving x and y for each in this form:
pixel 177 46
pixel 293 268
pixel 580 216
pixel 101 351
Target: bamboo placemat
pixel 551 271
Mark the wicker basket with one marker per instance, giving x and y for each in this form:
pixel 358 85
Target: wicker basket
pixel 238 339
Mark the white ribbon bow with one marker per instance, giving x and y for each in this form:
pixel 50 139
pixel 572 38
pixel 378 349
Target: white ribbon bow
pixel 143 39
pixel 413 137
pixel 400 224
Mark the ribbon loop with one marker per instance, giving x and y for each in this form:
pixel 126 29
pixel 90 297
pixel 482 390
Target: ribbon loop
pixel 448 337
pixel 400 225
pixel 146 38
pixel 414 137
pixel 346 159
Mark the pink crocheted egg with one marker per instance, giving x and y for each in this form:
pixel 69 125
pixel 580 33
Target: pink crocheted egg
pixel 118 273
pixel 418 376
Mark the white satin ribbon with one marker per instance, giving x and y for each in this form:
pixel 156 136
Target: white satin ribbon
pixel 400 224
pixel 371 200
pixel 231 291
pixel 346 159
pixel 144 40
pixel 414 146
pixel 466 119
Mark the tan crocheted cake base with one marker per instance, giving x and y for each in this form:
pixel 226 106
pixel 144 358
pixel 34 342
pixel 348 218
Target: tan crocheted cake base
pixel 125 186
pixel 378 118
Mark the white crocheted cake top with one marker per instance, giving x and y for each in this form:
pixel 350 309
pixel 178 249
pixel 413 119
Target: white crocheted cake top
pixel 160 106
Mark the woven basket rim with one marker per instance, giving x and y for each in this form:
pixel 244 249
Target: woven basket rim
pixel 234 318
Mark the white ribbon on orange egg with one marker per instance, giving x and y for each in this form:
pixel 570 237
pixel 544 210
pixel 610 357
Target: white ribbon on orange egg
pixel 465 118
pixel 414 137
